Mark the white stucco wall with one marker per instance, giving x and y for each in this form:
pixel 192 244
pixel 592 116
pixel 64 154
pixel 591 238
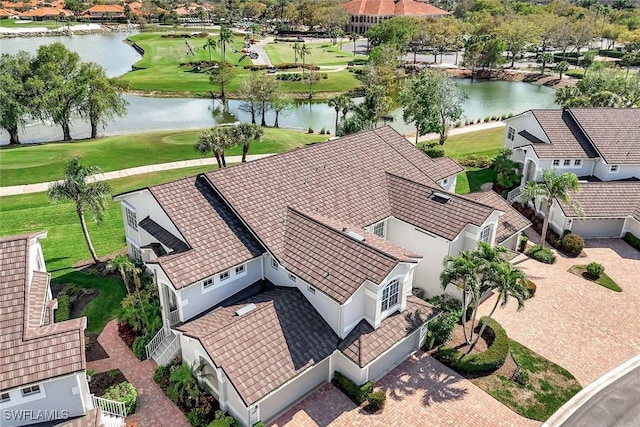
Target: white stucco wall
pixel 394 356
pixel 449 183
pixel 355 309
pixel 348 368
pixel 602 171
pixel 632 226
pixel 519 123
pixel 59 398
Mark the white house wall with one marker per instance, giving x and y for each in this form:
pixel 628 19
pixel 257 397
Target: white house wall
pixel 235 405
pixel 598 227
pixel 525 121
pixel 602 171
pixel 632 226
pixel 59 398
pixel 355 309
pixel 393 357
pixel 449 183
pixel 348 368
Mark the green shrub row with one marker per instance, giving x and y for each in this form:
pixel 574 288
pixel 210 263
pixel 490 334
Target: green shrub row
pixel 476 161
pixel 488 360
pixel 296 77
pixel 541 254
pixel 124 392
pixel 578 74
pixel 64 308
pixel 632 240
pixel 283 66
pixel 357 393
pixel 432 149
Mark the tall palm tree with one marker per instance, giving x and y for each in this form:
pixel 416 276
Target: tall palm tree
pixel 210 44
pixel 245 134
pixel 342 102
pixel 334 103
pixel 226 36
pixel 304 51
pixel 123 264
pixel 214 140
pixel 296 51
pixel 91 196
pixel 353 37
pixel 554 185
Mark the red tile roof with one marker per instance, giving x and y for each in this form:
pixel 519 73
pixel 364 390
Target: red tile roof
pixel 392 8
pixel 105 8
pixel 617 199
pixel 30 352
pixel 45 11
pixel 508 224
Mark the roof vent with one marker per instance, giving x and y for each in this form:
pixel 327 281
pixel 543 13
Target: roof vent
pixel 358 237
pixel 246 309
pixel 440 198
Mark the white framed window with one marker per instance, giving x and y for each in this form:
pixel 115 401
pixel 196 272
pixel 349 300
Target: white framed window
pixel 224 276
pixel 378 229
pixel 511 133
pixel 311 289
pixel 613 169
pixel 292 277
pixel 136 253
pixel 240 269
pixel 577 162
pixel 132 219
pixel 31 390
pixel 567 162
pixel 207 283
pixel 484 234
pixel 274 263
pixel 390 295
pixel 4 397
pixel 556 162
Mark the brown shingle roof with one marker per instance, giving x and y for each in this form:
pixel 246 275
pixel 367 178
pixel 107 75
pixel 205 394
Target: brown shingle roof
pixel 422 206
pixel 331 260
pixel 567 140
pixel 615 132
pixel 364 344
pixel 29 352
pixel 508 224
pixel 217 239
pixel 618 199
pixel 162 235
pixel 392 8
pixel 263 349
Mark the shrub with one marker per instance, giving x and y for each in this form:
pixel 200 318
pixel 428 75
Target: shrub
pixel 632 240
pixel 123 392
pixel 139 346
pixel 357 393
pixel 572 244
pixel 432 149
pixel 578 74
pixel 377 399
pixel 441 328
pixel 522 244
pixel 541 254
pixel 595 269
pixel 521 377
pixel 196 419
pixel 531 287
pixel 223 420
pixel 476 161
pixel 64 308
pixel 488 360
pixel 310 130
pixel 161 376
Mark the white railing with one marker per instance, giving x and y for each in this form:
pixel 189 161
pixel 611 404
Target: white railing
pixel 174 317
pixel 111 421
pixel 110 407
pixel 155 342
pixel 165 357
pixel 514 194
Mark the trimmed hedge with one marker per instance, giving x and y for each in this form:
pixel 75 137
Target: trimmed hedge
pixel 123 392
pixel 357 393
pixel 139 346
pixel 432 149
pixel 476 161
pixel 632 240
pixel 64 308
pixel 572 244
pixel 488 360
pixel 541 254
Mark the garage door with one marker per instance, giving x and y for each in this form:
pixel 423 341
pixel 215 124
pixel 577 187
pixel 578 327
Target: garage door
pixel 593 227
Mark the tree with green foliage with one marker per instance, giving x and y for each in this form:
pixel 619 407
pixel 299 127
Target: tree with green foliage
pixel 395 32
pixel 431 101
pixel 214 141
pixel 209 44
pixel 124 266
pixel 602 88
pixel 221 74
pixel 87 196
pixel 281 103
pixel 17 99
pixel 304 51
pixel 342 102
pixel 518 34
pixel 245 134
pixel 507 171
pixel 562 67
pixel 183 388
pixel 296 51
pixel 226 36
pixel 249 97
pixel 554 186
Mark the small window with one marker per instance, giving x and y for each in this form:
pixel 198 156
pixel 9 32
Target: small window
pixel 224 276
pixel 445 181
pixel 28 391
pixel 556 162
pixel 292 277
pixel 511 133
pixel 390 295
pixel 274 263
pixel 131 219
pixel 4 397
pixel 240 269
pixel 311 289
pixel 484 234
pixel 613 169
pixel 378 229
pixel 207 283
pixel 567 162
pixel 577 162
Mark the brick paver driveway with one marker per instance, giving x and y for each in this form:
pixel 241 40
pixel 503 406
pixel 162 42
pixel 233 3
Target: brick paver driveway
pixel 577 324
pixel 420 392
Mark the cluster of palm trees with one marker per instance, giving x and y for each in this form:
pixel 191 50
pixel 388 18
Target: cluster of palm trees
pixel 218 139
pixel 301 50
pixel 342 104
pixel 225 37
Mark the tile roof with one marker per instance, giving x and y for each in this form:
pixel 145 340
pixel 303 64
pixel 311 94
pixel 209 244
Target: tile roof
pixel 567 140
pixel 318 251
pixel 420 205
pixel 45 11
pixel 612 199
pixel 163 235
pixel 105 8
pixel 217 239
pixel 29 352
pixel 266 347
pixel 510 222
pixel 615 132
pixel 364 344
pixel 391 8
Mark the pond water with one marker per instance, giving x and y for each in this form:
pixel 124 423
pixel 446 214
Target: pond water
pixel 486 98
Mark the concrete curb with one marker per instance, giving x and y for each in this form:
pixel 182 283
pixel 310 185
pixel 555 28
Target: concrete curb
pixel 587 393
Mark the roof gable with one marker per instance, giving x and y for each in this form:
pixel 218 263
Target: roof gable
pixel 566 138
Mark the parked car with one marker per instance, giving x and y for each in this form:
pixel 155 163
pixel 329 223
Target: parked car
pixel 271 69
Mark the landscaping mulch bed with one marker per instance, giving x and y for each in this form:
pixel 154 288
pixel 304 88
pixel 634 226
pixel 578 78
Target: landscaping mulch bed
pixel 93 350
pixel 101 382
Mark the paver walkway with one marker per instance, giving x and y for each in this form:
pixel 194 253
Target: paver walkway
pixel 154 408
pixel 420 392
pixel 585 328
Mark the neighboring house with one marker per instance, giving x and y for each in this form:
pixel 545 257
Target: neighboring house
pixel 42 363
pixel 45 13
pixel 275 273
pixel 366 13
pixel 601 146
pixel 104 12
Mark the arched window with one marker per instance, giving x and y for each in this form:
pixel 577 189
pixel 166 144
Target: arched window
pixel 390 295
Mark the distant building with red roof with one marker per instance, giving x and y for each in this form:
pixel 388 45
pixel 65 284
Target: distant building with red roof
pixel 44 13
pixel 365 13
pixel 104 12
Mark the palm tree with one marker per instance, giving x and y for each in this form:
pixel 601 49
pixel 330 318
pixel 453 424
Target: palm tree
pixel 210 44
pixel 225 37
pixel 353 37
pixel 214 140
pixel 123 264
pixel 246 133
pixel 304 51
pixel 334 103
pixel 554 185
pixel 183 385
pixel 296 51
pixel 342 102
pixel 91 196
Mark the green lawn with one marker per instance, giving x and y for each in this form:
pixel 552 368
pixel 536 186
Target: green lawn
pixel 471 179
pixel 604 280
pixel 483 142
pixel 45 162
pixel 64 245
pixel 321 54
